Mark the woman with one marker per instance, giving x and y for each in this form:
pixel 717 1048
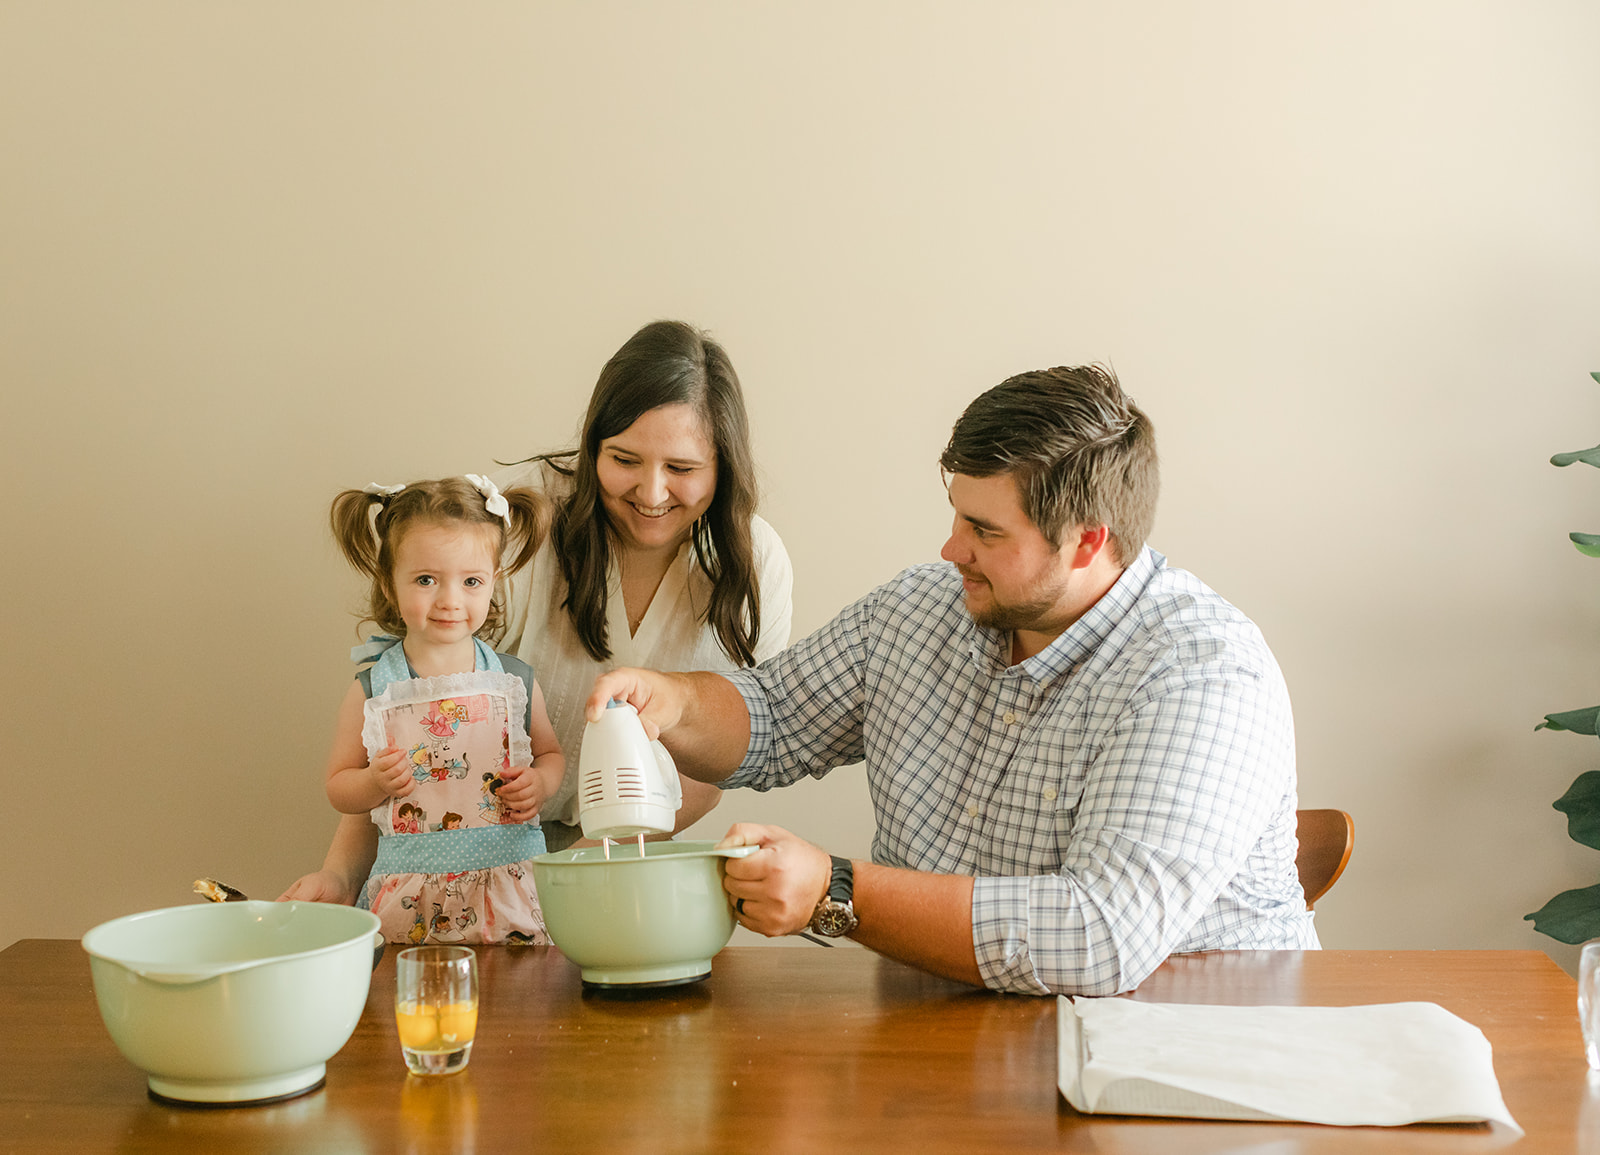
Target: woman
pixel 656 558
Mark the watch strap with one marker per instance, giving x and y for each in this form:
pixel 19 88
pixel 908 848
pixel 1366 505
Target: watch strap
pixel 835 914
pixel 842 886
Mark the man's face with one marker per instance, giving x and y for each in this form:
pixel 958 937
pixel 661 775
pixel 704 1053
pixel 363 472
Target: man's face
pixel 1013 578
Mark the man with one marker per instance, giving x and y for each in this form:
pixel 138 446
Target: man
pixel 1080 759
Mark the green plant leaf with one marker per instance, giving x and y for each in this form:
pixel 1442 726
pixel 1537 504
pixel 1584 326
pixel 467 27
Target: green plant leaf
pixel 1588 543
pixel 1571 916
pixel 1596 376
pixel 1578 721
pixel 1587 456
pixel 1581 805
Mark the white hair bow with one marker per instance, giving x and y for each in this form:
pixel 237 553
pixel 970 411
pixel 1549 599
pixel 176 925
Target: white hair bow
pixel 386 490
pixel 493 500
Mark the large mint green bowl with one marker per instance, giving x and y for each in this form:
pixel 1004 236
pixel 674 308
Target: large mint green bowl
pixel 631 921
pixel 233 1002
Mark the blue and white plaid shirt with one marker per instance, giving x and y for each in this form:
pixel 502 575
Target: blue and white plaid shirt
pixel 1126 793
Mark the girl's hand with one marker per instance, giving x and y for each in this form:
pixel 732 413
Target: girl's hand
pixel 354 784
pixel 525 790
pixel 391 773
pixel 321 886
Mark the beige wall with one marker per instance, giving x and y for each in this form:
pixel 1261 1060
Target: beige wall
pixel 1348 257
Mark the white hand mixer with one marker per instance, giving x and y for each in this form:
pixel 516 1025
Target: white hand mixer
pixel 627 785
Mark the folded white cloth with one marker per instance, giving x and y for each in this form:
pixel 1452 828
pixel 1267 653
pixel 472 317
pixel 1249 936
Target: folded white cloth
pixel 1385 1065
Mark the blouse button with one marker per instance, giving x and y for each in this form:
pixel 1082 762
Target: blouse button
pixel 1049 793
pixel 1010 718
pixel 972 811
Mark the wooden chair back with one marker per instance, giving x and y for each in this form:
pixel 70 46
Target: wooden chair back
pixel 1326 838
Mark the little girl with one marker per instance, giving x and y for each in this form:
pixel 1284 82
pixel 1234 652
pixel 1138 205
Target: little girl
pixel 444 741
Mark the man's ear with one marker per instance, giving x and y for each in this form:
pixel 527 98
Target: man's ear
pixel 1090 543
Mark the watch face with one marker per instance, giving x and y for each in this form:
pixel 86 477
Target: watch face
pixel 834 919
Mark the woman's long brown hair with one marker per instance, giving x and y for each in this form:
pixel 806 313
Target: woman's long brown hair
pixel 664 363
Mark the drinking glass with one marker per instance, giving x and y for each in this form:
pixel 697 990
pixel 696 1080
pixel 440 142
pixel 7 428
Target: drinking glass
pixel 436 1007
pixel 1589 1001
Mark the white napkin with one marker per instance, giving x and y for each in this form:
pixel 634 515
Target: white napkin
pixel 1385 1065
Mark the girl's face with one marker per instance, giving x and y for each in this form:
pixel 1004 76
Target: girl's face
pixel 443 581
pixel 657 477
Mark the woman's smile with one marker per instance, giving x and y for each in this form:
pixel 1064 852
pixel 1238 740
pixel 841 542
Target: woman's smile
pixel 657 477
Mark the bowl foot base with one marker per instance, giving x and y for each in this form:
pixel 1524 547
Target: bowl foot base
pixel 645 977
pixel 636 990
pixel 243 1093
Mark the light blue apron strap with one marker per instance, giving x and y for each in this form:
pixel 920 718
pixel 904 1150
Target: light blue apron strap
pixel 369 650
pixel 483 658
pixel 391 666
pixel 453 851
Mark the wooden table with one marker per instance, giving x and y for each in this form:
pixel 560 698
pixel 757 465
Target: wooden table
pixel 785 1050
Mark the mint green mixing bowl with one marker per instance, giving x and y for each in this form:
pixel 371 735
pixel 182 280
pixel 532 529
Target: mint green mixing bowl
pixel 654 921
pixel 233 1002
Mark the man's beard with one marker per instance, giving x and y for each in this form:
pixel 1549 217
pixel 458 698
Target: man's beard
pixel 1025 616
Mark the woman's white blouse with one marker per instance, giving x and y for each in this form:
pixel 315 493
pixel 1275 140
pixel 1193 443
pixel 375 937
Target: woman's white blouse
pixel 673 635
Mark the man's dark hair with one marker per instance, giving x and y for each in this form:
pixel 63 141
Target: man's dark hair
pixel 1082 453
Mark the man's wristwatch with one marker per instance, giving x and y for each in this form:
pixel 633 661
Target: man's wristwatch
pixel 835 914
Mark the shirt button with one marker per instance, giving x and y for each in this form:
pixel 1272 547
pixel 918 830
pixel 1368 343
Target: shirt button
pixel 1010 718
pixel 1049 793
pixel 972 812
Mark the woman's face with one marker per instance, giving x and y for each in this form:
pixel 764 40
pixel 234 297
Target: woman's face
pixel 657 477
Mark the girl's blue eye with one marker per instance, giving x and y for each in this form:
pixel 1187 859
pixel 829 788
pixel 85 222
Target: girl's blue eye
pixel 425 580
pixel 474 582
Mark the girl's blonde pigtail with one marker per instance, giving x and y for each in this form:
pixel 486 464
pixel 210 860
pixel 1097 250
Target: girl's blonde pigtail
pixel 351 522
pixel 529 514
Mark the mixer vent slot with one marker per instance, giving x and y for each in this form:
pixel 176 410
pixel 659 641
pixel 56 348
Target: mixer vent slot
pixel 629 787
